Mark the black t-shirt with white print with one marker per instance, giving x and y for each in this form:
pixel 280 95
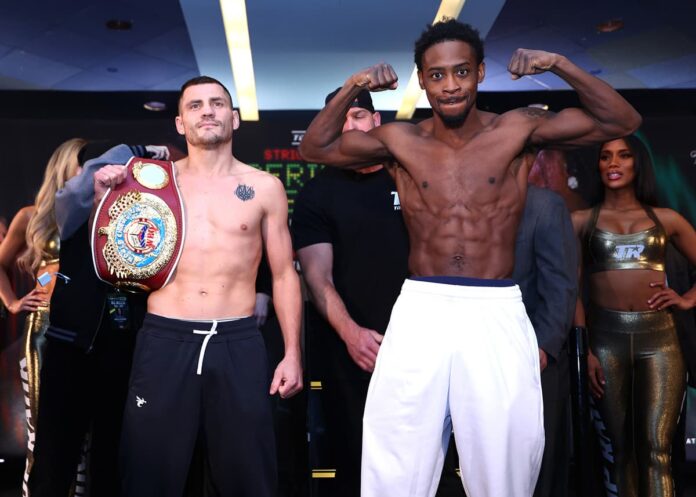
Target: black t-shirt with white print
pixel 360 216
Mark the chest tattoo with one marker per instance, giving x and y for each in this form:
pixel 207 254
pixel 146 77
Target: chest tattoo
pixel 424 184
pixel 244 192
pixel 491 180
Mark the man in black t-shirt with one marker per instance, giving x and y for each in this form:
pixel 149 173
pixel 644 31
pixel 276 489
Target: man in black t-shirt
pixel 353 249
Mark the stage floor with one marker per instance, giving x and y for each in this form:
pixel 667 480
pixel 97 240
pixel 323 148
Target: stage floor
pixel 11 477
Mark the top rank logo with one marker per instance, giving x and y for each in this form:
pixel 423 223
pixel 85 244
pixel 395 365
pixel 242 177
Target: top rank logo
pixel 297 135
pixel 628 252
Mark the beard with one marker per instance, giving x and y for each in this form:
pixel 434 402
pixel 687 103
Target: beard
pixel 207 139
pixel 453 121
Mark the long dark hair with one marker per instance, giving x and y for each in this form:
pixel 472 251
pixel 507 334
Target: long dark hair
pixel 644 182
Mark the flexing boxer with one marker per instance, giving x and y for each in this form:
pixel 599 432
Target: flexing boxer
pixel 459 347
pixel 200 362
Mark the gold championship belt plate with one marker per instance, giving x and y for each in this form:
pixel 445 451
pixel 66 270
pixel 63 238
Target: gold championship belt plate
pixel 138 229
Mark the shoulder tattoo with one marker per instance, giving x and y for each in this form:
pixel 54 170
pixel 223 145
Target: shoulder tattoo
pixel 533 112
pixel 244 192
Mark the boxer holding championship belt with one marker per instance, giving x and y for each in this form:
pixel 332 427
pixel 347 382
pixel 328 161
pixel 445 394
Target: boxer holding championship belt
pixel 138 229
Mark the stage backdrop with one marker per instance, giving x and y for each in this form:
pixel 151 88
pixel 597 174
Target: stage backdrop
pixel 33 124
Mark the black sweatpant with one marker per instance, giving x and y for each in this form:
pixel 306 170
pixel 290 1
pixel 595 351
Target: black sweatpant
pixel 169 403
pixel 79 392
pixel 343 402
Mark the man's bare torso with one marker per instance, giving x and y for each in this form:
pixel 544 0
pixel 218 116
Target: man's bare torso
pixel 462 201
pixel 216 275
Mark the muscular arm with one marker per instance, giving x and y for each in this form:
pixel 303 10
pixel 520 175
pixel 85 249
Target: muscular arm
pixel 324 141
pixel 286 290
pixel 605 114
pixel 317 266
pixel 11 247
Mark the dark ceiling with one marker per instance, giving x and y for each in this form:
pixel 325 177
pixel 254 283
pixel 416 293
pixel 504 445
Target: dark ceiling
pixel 304 48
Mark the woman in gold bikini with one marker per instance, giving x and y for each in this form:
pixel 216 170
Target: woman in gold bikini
pixel 637 372
pixel 33 237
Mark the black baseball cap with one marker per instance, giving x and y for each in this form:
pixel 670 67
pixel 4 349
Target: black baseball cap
pixel 363 100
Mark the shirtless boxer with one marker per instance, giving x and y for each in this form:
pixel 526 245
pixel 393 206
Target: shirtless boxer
pixel 199 367
pixel 459 350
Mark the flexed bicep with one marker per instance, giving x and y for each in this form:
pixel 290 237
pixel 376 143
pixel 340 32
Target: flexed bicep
pixel 353 150
pixel 568 128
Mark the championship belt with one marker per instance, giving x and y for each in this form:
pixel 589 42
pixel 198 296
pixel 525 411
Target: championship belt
pixel 138 231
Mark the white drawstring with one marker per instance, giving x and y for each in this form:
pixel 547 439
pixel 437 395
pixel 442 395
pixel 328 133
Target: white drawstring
pixel 209 333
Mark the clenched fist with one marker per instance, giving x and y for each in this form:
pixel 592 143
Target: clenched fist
pixel 108 177
pixel 377 78
pixel 526 61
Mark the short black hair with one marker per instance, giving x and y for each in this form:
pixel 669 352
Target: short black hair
pixel 447 30
pixel 201 80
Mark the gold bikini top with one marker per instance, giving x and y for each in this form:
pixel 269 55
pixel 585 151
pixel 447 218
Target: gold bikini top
pixel 606 251
pixel 52 248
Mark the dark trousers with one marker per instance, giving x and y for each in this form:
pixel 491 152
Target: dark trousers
pixel 226 407
pixel 343 402
pixel 555 384
pixel 80 391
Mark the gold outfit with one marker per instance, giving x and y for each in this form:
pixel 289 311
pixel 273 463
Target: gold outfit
pixel 35 327
pixel 643 367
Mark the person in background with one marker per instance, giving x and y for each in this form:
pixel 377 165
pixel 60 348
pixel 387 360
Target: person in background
pixel 87 358
pixel 33 242
pixel 546 267
pixel 635 363
pixel 352 245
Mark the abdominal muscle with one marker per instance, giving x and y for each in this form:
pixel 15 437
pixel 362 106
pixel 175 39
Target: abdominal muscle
pixel 624 290
pixel 463 244
pixel 219 283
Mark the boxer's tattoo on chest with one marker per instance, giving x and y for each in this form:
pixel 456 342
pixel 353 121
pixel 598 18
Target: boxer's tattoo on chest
pixel 244 192
pixel 424 184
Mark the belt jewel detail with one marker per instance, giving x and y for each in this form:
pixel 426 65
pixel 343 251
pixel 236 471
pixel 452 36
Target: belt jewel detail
pixel 150 175
pixel 142 235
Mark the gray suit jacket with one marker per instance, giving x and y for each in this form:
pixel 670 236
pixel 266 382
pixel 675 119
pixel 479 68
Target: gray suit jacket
pixel 546 265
